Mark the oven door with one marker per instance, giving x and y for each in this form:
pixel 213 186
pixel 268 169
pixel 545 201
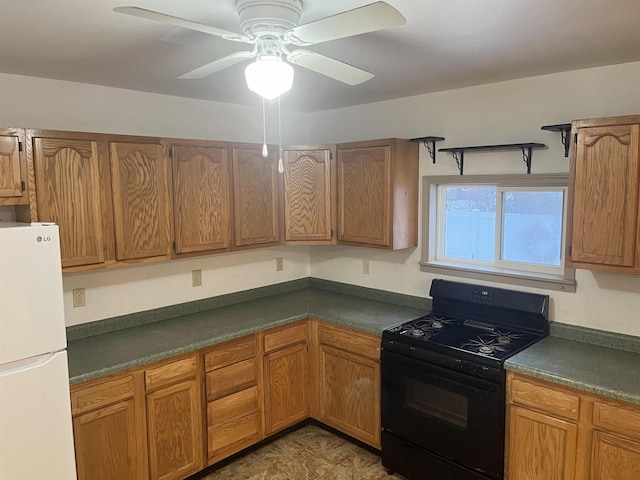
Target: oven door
pixel 452 414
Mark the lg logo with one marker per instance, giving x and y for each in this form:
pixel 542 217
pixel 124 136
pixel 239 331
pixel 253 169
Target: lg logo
pixel 43 239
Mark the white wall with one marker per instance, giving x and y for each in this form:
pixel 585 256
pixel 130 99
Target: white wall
pixel 32 102
pixel 499 113
pixel 133 289
pixel 51 104
pixel 505 112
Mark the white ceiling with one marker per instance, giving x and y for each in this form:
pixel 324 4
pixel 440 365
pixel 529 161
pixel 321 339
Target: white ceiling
pixel 445 44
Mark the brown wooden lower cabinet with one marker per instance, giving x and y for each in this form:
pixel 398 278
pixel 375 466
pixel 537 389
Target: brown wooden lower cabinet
pixel 106 444
pixel 148 423
pixel 142 424
pixel 349 382
pixel 543 446
pixel 286 378
pixel 555 432
pixel 233 397
pixel 108 429
pixel 174 422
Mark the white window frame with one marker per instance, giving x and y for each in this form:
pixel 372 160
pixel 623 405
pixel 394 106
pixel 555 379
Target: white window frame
pixel 501 271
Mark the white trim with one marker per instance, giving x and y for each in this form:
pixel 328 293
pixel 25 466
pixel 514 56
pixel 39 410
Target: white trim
pixel 433 231
pixel 564 283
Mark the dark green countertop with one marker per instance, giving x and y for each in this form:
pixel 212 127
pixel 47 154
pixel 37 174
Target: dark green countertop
pixel 586 366
pixel 600 362
pixel 100 355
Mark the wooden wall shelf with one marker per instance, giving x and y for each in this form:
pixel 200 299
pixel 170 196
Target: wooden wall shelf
pixel 526 148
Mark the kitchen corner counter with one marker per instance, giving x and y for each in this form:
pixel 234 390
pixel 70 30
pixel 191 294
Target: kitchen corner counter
pixel 100 355
pixel 585 366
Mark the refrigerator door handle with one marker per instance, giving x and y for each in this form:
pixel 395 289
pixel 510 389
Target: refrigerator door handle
pixel 27 364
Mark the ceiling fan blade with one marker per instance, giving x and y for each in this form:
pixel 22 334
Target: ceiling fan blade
pixel 330 67
pixel 369 18
pixel 217 65
pixel 181 22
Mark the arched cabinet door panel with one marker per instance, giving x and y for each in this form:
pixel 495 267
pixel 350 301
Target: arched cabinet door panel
pixel 603 206
pixel 309 203
pixel 69 176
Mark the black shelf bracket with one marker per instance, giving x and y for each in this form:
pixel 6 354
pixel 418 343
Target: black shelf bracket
pixel 458 156
pixel 565 130
pixel 526 157
pixel 526 148
pixel 430 144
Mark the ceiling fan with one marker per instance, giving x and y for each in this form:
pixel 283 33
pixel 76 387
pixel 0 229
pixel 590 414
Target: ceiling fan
pixel 271 26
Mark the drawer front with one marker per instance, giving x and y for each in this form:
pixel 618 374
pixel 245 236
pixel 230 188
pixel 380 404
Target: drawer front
pixel 617 419
pixel 232 407
pixel 225 438
pixel 540 397
pixel 288 336
pixel 231 379
pixel 100 395
pixel 230 352
pixel 350 341
pixel 170 373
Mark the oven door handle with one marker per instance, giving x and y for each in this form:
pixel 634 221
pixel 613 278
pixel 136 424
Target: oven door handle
pixel 461 380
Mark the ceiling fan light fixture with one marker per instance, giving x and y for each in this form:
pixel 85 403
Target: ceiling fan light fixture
pixel 269 77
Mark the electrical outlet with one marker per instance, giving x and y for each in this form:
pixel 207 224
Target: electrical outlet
pixel 196 278
pixel 79 299
pixel 366 266
pixel 279 264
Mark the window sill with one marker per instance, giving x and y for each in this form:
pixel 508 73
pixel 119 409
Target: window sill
pixel 566 283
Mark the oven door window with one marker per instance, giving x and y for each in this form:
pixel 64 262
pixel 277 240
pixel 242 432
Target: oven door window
pixel 445 405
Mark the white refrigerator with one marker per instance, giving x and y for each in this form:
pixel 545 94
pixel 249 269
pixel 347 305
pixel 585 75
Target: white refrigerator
pixel 36 437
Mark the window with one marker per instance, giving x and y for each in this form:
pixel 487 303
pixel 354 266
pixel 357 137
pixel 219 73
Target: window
pixel 508 228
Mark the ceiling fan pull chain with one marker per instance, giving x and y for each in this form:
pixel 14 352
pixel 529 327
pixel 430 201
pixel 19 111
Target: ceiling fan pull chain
pixel 265 152
pixel 280 162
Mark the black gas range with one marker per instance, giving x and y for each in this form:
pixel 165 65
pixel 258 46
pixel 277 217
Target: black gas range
pixel 443 382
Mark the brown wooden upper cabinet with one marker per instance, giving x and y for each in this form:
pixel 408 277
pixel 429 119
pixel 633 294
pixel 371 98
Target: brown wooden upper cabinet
pixel 309 194
pixel 13 168
pixel 378 193
pixel 202 196
pixel 255 196
pixel 70 174
pixel 108 194
pixel 141 201
pixel 602 229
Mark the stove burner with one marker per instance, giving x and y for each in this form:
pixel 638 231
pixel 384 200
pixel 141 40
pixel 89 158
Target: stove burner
pixel 424 327
pixel 431 323
pixel 502 338
pixel 484 346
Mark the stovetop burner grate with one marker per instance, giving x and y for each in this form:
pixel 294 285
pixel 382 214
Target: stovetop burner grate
pixel 426 326
pixel 485 346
